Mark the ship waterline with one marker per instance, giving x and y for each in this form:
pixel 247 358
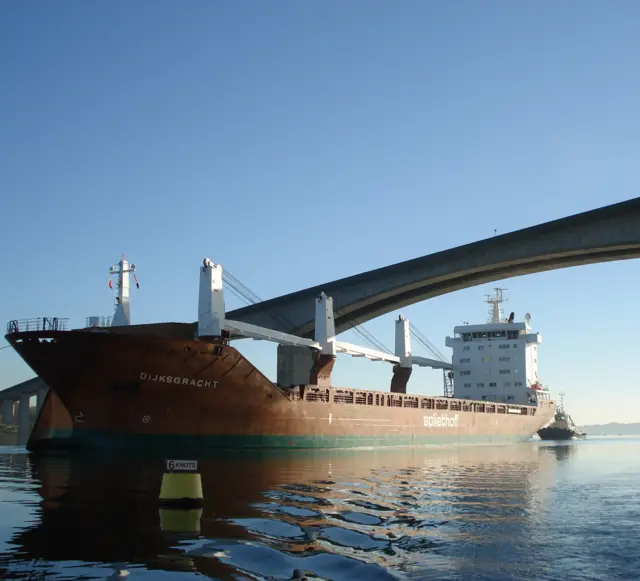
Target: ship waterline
pixel 117 390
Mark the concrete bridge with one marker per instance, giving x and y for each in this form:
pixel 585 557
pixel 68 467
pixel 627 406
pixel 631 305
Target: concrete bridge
pixel 605 234
pixel 20 396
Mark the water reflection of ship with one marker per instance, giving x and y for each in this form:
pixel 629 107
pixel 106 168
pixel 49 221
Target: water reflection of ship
pixel 561 451
pixel 376 506
pixel 109 510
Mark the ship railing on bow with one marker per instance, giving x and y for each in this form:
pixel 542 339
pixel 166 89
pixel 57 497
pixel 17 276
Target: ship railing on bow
pixel 92 322
pixel 38 324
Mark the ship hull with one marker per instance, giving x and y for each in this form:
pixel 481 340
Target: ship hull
pixel 52 439
pixel 127 392
pixel 558 434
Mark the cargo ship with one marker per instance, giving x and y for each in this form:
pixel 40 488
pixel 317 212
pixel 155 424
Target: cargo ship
pixel 117 386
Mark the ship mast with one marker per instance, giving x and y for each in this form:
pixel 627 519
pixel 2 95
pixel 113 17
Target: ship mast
pixel 122 314
pixel 561 407
pixel 495 313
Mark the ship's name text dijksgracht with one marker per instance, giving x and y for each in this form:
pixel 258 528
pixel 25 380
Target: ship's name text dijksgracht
pixel 178 380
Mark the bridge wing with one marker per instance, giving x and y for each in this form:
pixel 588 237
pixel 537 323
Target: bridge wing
pixel 605 234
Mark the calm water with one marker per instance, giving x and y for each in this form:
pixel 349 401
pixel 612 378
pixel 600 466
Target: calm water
pixel 534 511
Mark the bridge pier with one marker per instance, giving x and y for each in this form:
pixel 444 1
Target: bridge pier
pixel 294 365
pixel 24 421
pixel 21 395
pixel 8 417
pixel 42 393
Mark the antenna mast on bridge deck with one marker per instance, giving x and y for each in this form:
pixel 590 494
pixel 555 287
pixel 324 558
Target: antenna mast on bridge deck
pixel 495 312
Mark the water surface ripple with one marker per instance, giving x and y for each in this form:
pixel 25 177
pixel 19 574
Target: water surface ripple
pixel 548 511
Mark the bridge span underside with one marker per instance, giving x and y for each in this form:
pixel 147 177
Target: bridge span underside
pixel 606 234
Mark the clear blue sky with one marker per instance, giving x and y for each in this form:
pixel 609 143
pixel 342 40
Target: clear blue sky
pixel 299 142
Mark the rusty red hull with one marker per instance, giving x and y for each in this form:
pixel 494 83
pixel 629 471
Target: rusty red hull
pixel 122 391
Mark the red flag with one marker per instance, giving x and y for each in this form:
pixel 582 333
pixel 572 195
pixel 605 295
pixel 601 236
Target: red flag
pixel 110 284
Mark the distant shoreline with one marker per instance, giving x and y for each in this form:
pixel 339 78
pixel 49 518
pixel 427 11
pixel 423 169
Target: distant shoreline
pixel 612 429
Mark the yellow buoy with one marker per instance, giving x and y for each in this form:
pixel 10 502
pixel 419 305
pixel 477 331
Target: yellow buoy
pixel 181 484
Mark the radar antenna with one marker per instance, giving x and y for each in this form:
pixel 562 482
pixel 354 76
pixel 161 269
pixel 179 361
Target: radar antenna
pixel 495 312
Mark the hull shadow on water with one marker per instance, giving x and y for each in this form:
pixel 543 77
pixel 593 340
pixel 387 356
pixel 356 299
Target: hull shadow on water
pixel 367 514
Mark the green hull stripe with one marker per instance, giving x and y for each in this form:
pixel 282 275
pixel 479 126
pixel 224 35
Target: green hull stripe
pixel 105 440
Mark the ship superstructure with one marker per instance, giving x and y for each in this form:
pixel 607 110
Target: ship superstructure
pixel 497 361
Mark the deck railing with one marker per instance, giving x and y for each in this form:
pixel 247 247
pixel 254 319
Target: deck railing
pixel 97 322
pixel 38 324
pixel 369 398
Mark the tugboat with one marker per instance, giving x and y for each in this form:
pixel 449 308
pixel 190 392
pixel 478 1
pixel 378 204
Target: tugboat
pixel 562 427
